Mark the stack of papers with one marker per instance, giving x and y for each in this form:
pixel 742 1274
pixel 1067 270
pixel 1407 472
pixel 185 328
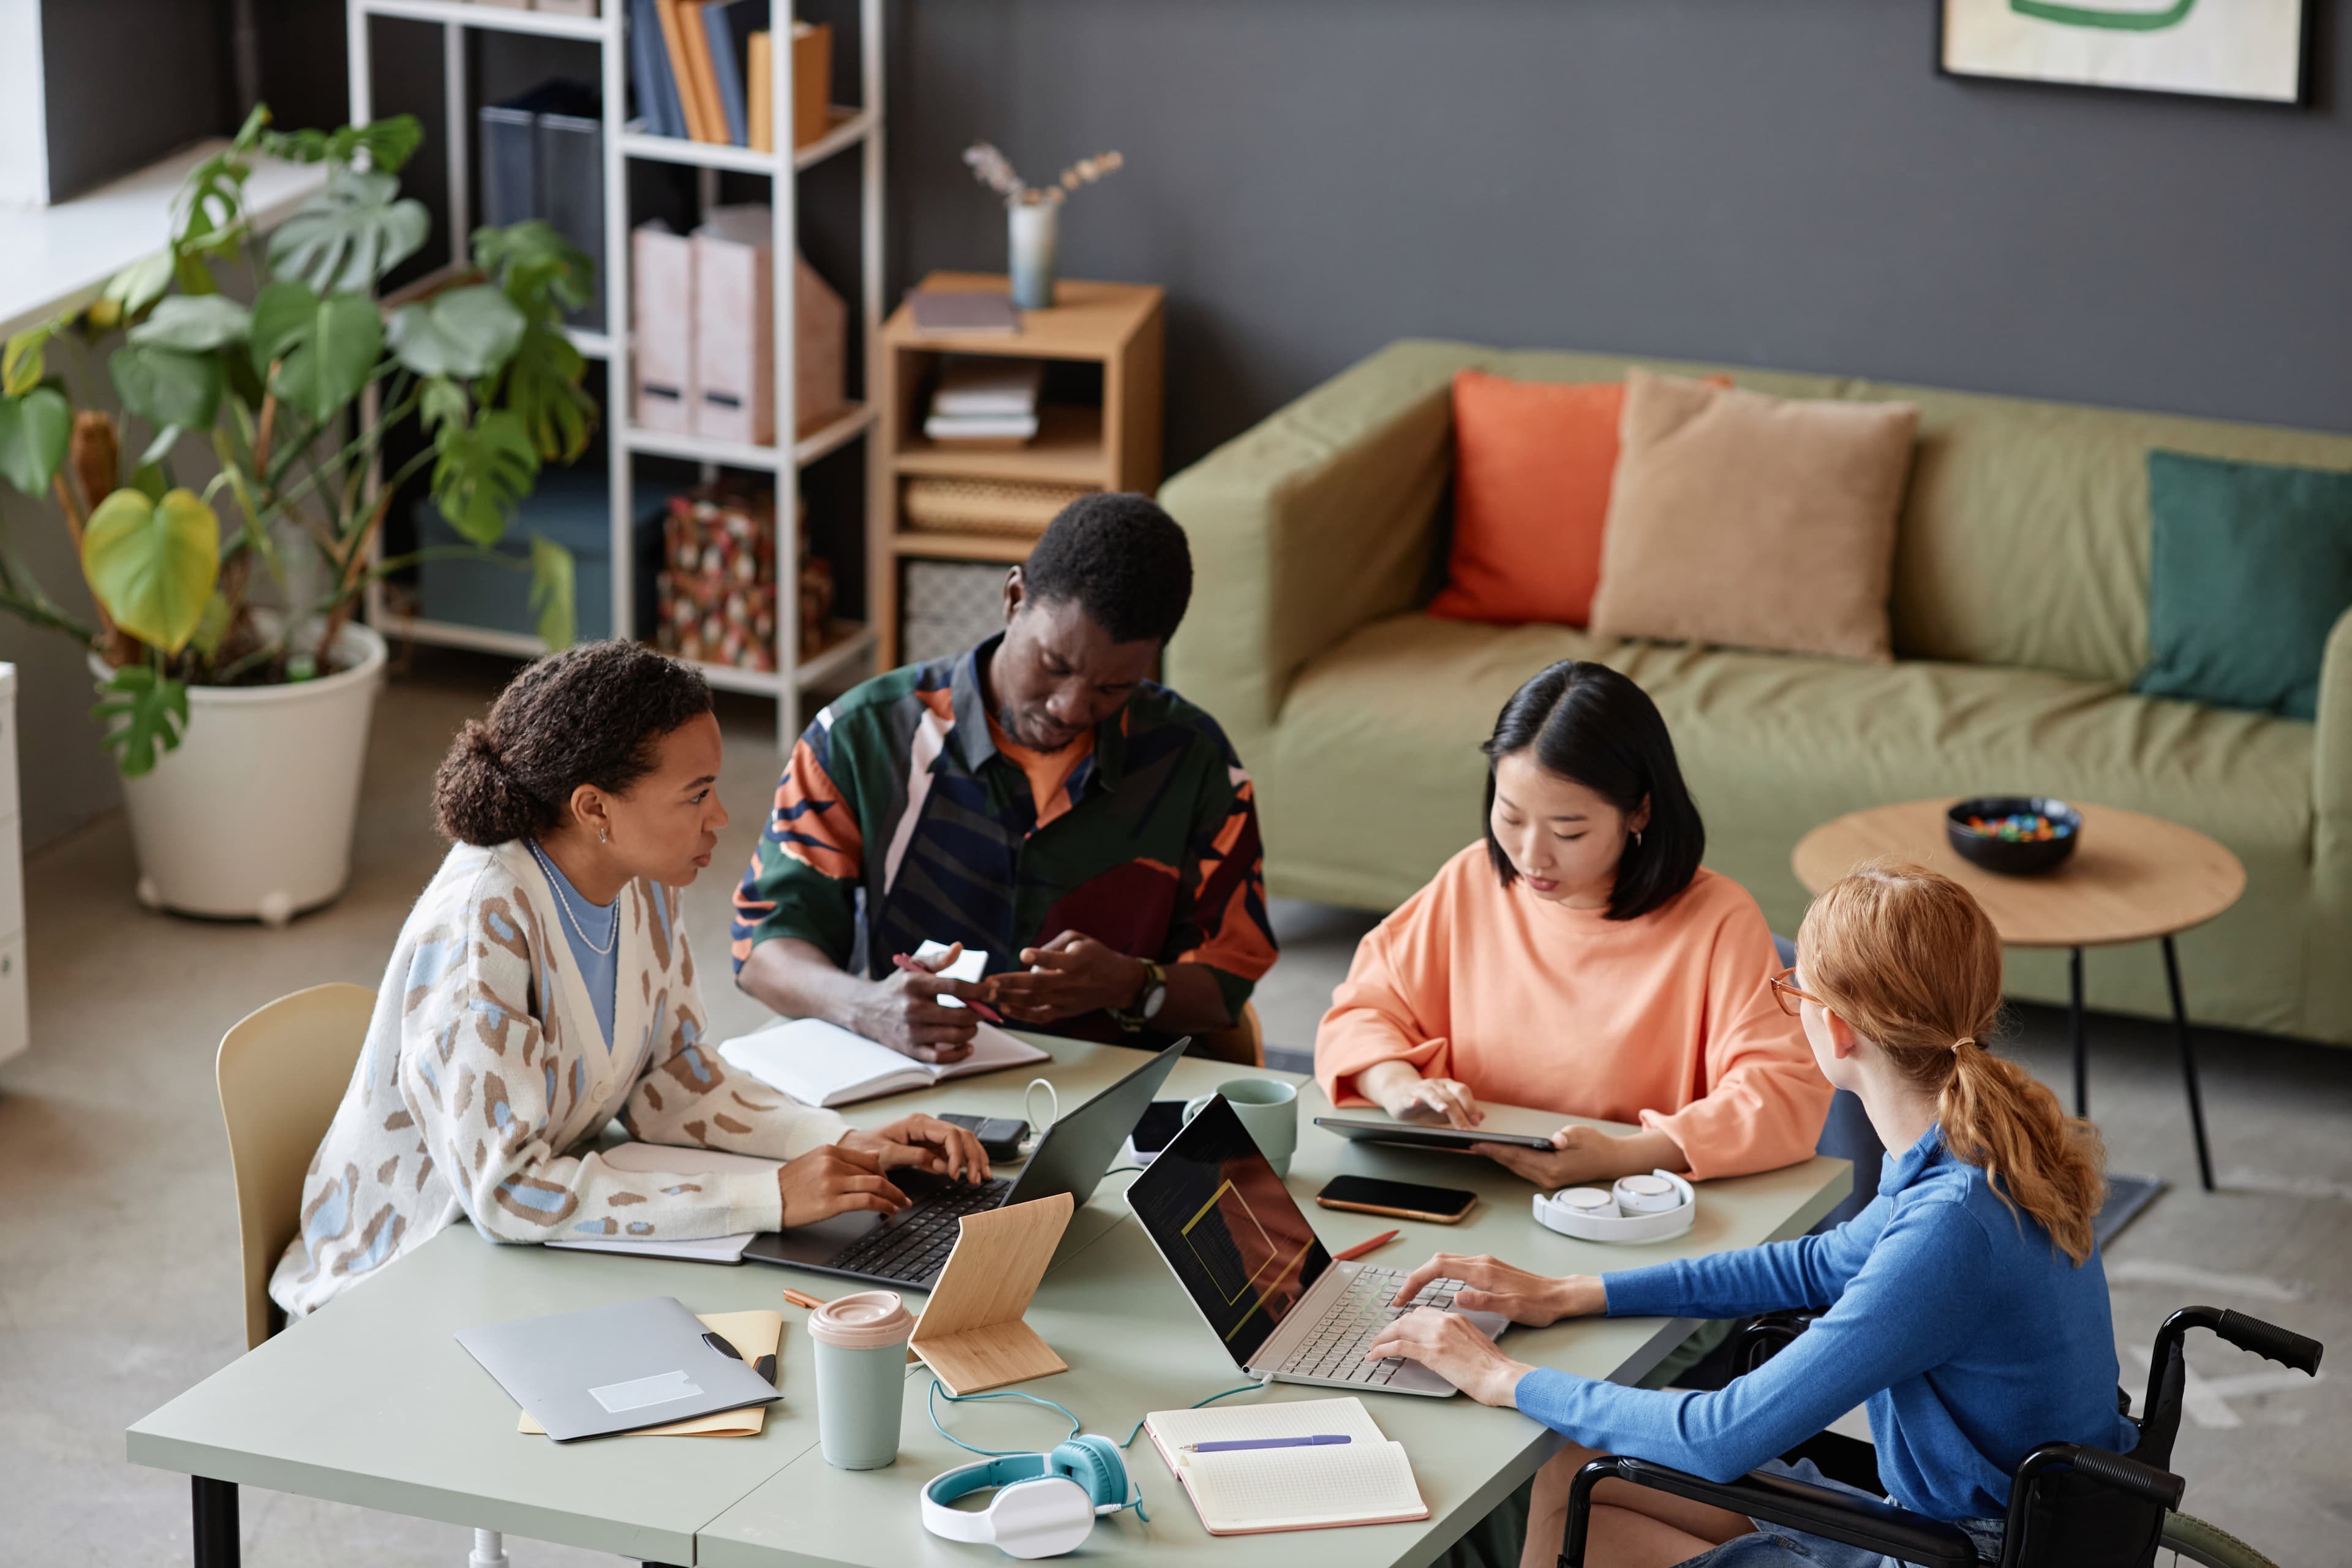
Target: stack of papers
pixel 992 399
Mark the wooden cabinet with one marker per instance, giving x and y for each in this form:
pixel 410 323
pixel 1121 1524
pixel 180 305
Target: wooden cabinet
pixel 1099 422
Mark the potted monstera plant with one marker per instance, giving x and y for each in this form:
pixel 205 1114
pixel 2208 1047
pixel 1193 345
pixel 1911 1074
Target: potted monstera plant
pixel 234 684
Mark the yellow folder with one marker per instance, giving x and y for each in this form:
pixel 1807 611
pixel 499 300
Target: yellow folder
pixel 753 1335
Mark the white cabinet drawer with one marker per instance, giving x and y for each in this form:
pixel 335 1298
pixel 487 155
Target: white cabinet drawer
pixel 14 1025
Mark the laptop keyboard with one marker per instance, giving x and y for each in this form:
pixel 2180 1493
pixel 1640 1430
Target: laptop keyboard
pixel 1334 1350
pixel 913 1246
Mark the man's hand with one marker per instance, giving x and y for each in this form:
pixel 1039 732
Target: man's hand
pixel 1070 975
pixel 922 1141
pixel 905 1013
pixel 1493 1285
pixel 1451 1346
pixel 833 1180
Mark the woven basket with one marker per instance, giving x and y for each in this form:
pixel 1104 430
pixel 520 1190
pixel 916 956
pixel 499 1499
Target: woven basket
pixel 987 506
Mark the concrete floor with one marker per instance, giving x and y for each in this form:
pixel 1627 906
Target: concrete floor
pixel 118 1243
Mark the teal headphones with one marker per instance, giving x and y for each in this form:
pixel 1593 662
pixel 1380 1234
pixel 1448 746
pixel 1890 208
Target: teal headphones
pixel 1045 1504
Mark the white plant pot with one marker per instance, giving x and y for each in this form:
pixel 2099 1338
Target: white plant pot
pixel 251 816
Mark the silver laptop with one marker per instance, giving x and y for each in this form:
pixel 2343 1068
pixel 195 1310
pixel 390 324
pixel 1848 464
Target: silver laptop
pixel 615 1369
pixel 1242 1251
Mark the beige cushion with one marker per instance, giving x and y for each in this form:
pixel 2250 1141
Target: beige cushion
pixel 1753 522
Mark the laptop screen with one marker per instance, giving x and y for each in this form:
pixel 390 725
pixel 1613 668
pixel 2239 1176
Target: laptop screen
pixel 1228 1228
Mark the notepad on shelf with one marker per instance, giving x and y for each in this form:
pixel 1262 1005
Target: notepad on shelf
pixel 1365 1480
pixel 665 1159
pixel 819 1063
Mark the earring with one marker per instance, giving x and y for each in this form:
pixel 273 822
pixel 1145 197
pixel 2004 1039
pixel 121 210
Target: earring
pixel 600 836
pixel 1637 838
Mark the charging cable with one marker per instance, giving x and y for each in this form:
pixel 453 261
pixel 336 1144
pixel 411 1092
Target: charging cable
pixel 1263 1383
pixel 1053 1114
pixel 930 1407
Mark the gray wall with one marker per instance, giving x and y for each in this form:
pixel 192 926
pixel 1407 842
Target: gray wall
pixel 127 81
pixel 1781 183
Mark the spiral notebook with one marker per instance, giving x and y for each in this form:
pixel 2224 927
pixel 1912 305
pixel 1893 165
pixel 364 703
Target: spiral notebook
pixel 1365 1480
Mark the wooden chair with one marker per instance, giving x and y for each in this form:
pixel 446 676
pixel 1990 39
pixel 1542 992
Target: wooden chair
pixel 282 1071
pixel 1242 1043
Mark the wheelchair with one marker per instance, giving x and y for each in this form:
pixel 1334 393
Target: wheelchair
pixel 2070 1505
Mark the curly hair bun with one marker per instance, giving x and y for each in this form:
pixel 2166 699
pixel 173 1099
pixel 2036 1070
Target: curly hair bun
pixel 592 714
pixel 477 799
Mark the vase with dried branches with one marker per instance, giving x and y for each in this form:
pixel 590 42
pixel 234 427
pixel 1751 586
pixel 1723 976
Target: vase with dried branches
pixel 1034 215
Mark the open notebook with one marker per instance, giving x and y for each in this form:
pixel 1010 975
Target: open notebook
pixel 819 1063
pixel 1366 1480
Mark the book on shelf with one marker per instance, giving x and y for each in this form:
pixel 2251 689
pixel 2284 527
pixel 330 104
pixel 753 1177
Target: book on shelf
pixel 811 66
pixel 958 310
pixel 984 387
pixel 982 430
pixel 728 26
pixel 657 87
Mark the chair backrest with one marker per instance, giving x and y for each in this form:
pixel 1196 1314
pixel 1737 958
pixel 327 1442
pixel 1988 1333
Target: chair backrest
pixel 283 1069
pixel 1242 1042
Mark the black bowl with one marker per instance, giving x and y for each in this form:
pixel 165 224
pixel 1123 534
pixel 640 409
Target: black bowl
pixel 2015 857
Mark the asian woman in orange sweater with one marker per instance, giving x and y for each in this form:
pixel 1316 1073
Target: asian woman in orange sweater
pixel 1581 960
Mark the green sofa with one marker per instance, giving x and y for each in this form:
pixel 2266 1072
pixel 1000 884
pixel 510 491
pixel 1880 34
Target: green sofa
pixel 2020 616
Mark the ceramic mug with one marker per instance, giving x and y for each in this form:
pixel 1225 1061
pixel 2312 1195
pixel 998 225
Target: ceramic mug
pixel 1269 1112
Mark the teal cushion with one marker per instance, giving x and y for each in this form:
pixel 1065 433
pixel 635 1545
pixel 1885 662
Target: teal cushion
pixel 2251 567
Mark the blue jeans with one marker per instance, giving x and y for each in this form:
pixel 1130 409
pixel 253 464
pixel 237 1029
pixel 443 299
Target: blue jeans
pixel 1780 1546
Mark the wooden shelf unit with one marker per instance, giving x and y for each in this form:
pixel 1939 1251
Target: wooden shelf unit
pixel 1112 445
pixel 859 126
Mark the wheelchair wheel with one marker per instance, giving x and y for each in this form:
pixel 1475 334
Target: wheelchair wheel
pixel 2194 1540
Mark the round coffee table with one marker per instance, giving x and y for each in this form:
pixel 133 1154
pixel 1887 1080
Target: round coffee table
pixel 2132 879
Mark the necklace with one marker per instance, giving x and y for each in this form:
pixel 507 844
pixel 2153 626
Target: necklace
pixel 562 885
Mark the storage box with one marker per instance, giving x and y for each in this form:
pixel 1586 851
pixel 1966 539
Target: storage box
pixel 570 507
pixel 734 332
pixel 951 605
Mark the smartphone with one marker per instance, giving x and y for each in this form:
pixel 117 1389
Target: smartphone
pixel 1162 1119
pixel 1398 1200
pixel 1000 1136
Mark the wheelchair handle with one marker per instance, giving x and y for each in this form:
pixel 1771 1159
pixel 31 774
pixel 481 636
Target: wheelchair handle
pixel 2128 1476
pixel 2284 1346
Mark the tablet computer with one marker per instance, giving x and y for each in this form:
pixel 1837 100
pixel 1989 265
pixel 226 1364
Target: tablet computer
pixel 1412 1135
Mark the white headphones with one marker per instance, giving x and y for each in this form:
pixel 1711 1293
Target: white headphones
pixel 1655 1208
pixel 1045 1504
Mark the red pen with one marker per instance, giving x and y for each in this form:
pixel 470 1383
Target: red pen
pixel 1361 1247
pixel 911 967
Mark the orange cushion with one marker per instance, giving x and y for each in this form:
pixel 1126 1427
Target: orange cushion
pixel 1532 461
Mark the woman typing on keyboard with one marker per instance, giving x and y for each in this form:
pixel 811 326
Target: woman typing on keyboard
pixel 1967 1306
pixel 543 985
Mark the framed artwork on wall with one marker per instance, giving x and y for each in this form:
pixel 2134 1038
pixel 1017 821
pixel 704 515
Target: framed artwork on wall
pixel 2208 49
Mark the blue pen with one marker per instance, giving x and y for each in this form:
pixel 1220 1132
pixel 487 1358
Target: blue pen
pixel 1314 1442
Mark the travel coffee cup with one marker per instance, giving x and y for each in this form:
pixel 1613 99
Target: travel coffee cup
pixel 861 1374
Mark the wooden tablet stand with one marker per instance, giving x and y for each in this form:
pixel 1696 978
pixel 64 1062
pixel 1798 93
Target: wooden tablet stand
pixel 971 1333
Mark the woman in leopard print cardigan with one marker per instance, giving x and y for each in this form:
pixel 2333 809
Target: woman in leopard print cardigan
pixel 488 1066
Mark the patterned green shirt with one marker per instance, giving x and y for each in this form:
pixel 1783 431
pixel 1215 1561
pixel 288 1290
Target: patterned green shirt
pixel 897 821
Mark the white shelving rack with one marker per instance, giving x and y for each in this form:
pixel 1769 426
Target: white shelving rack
pixel 852 645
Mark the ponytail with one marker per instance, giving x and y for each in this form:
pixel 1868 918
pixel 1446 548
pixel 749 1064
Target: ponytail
pixel 589 715
pixel 1908 959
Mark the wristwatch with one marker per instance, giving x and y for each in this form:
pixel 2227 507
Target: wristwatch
pixel 1148 1002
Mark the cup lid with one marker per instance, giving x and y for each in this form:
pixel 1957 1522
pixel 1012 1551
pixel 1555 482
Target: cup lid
pixel 868 1320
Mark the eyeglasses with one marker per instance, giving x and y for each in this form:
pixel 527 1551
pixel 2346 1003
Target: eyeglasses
pixel 1786 993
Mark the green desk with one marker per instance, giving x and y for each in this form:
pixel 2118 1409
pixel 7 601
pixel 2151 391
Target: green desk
pixel 373 1402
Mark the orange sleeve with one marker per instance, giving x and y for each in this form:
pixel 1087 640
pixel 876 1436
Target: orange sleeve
pixel 1764 1101
pixel 1393 1004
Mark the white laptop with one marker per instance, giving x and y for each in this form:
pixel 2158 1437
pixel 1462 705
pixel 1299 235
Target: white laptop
pixel 1241 1249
